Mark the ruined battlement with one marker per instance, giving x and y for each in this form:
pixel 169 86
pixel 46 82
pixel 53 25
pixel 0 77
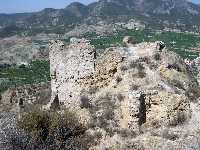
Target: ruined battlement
pixel 74 67
pixel 69 65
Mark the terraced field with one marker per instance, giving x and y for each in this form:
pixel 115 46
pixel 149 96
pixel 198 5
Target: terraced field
pixel 35 72
pixel 185 44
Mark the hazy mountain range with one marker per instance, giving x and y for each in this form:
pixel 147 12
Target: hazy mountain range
pixel 155 13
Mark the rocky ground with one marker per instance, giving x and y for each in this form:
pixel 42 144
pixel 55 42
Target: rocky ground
pixel 141 96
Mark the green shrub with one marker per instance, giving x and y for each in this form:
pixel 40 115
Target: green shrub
pixel 53 130
pixel 36 123
pixel 42 124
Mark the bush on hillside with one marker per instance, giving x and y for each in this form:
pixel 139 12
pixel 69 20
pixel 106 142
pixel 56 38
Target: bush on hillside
pixel 60 129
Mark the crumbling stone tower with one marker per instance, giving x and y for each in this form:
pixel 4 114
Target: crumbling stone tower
pixel 68 67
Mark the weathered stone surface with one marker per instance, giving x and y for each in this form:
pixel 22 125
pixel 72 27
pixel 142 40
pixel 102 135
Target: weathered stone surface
pixel 69 66
pixel 134 96
pixel 179 79
pixel 167 109
pixel 196 66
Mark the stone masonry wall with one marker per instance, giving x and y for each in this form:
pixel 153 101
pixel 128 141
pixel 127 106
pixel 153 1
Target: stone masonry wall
pixel 68 66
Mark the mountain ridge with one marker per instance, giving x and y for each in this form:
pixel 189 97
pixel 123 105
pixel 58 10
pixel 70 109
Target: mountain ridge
pixel 178 14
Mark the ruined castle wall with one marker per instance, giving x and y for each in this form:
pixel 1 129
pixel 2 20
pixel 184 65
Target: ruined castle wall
pixel 70 65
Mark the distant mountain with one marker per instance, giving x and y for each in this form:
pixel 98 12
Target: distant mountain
pixel 155 13
pixel 173 11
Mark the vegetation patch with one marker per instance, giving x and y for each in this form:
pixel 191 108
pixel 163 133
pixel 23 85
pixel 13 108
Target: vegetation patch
pixel 184 44
pixel 36 72
pixel 53 129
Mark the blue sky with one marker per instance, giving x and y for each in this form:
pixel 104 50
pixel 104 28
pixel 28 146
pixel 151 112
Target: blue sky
pixel 16 6
pixel 196 1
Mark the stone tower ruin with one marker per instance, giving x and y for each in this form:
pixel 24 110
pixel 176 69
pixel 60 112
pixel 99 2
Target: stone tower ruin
pixel 68 66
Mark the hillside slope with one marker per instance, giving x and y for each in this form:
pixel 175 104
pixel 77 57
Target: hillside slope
pixel 155 13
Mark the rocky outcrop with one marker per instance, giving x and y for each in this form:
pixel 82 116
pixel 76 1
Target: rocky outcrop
pixel 133 89
pixel 167 109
